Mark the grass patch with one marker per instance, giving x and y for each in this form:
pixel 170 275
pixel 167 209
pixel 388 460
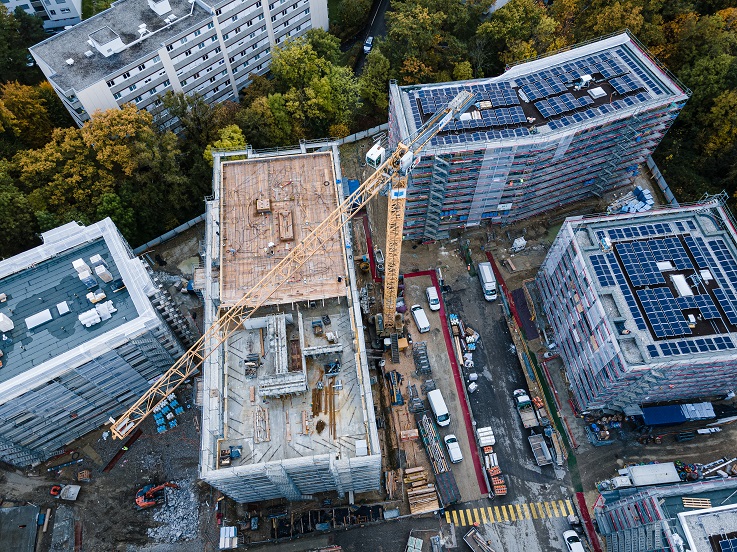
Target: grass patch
pixel 92 7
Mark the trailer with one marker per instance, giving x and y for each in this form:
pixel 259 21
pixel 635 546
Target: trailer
pixel 525 408
pixel 540 449
pixel 476 541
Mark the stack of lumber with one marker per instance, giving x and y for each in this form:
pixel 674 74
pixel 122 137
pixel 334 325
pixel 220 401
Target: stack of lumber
pixel 390 482
pixel 421 495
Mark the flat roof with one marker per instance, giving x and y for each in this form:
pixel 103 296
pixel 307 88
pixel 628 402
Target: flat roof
pixel 34 293
pixel 318 415
pixel 548 94
pixel 123 18
pixel 667 280
pixel 18 527
pixel 267 206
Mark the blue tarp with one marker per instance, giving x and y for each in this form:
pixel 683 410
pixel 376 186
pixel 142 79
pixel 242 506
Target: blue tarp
pixel 663 415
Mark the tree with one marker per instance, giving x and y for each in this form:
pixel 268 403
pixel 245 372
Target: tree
pixel 374 81
pixel 266 122
pixel 259 87
pixel 58 115
pixel 413 33
pixel 19 224
pixel 325 45
pixel 231 139
pixel 29 113
pixel 462 71
pixel 18 31
pixel 720 131
pixel 351 17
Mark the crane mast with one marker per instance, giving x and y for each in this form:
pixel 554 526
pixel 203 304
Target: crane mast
pixel 398 199
pixel 395 170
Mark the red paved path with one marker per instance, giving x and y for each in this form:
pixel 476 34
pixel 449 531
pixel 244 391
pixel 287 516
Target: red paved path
pixel 458 380
pixel 593 537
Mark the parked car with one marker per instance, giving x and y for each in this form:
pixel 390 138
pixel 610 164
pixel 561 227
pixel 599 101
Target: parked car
pixel 368 45
pixel 573 542
pixel 454 449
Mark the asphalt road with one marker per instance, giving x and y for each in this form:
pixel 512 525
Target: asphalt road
pixel 376 28
pixel 530 487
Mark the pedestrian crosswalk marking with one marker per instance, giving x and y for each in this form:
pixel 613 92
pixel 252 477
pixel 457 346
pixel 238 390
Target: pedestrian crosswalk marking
pixel 509 512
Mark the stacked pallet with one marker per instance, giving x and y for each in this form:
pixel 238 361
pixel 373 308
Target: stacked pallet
pixel 421 495
pixel 499 485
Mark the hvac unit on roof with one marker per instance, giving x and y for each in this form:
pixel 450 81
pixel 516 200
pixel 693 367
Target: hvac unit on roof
pixel 70 61
pixel 167 20
pixel 172 17
pixel 6 324
pixel 89 53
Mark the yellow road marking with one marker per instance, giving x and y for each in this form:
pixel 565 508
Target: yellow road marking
pixel 447 516
pixel 540 510
pixel 491 514
pixel 519 511
pixel 511 512
pixel 555 508
pixel 562 507
pixel 570 507
pixel 462 515
pixel 547 508
pixel 483 514
pixel 476 515
pixel 498 515
pixel 532 510
pixel 455 517
pixel 527 510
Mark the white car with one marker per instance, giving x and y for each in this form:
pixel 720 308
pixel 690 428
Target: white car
pixel 432 298
pixel 573 542
pixel 368 45
pixel 454 449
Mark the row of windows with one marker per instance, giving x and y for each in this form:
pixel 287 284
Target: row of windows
pixel 232 5
pixel 133 87
pixel 142 67
pixel 185 39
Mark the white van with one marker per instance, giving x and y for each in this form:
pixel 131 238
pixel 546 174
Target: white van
pixel 437 405
pixel 432 298
pixel 418 313
pixel 488 282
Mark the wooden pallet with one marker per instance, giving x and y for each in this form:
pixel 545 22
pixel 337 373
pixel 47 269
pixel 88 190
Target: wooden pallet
pixel 693 502
pixel 423 500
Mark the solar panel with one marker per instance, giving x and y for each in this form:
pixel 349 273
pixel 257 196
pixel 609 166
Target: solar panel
pixel 662 311
pixel 659 250
pixel 707 307
pixel 601 268
pixel 725 259
pixel 726 300
pixel 650 270
pixel 695 250
pixel 631 264
pixel 678 254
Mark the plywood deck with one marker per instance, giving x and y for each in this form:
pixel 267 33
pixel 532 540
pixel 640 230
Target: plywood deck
pixel 299 192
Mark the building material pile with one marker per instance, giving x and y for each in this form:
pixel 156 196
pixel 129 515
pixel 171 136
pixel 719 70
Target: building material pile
pixel 421 495
pixel 179 516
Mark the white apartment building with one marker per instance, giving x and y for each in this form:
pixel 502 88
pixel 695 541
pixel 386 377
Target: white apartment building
pixel 54 13
pixel 139 49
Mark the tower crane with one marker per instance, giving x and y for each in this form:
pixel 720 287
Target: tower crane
pixel 394 172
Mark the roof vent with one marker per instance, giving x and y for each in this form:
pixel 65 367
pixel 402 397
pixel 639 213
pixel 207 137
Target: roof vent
pixel 107 41
pixel 167 20
pixel 89 53
pixel 70 61
pixel 172 17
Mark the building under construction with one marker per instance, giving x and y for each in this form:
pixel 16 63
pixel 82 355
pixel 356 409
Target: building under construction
pixel 85 330
pixel 643 307
pixel 547 132
pixel 287 403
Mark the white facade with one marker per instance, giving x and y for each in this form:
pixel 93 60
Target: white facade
pixel 137 50
pixel 54 13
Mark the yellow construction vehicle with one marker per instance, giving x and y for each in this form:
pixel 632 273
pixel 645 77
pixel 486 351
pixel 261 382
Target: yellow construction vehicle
pixel 393 171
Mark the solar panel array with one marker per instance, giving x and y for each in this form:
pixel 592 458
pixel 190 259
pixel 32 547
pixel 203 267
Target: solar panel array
pixel 728 302
pixel 639 71
pixel 678 254
pixel 601 268
pixel 628 297
pixel 685 225
pixel 728 545
pixel 725 259
pixel 603 109
pixel 662 311
pixel 640 231
pixel 625 84
pixel 697 345
pixel 695 249
pixel 639 264
pixel 561 104
pixel 543 88
pixel 506 116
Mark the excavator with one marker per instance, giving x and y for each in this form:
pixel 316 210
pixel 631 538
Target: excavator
pixel 152 495
pixel 391 172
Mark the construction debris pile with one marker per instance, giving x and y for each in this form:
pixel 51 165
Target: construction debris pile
pixel 637 201
pixel 179 516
